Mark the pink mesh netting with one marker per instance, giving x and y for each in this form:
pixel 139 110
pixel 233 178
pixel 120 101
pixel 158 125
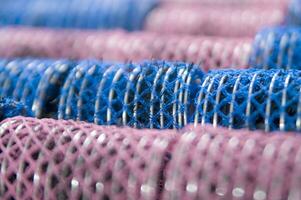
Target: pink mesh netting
pixel 49 159
pixel 211 52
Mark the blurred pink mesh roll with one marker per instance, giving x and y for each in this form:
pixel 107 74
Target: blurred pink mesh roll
pixel 213 20
pixel 211 52
pixel 48 159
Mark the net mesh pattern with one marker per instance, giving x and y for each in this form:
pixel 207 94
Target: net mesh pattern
pixel 10 108
pixel 198 20
pixel 153 94
pixel 210 52
pixel 212 163
pixel 277 47
pixel 76 160
pixel 254 99
pixel 90 14
pixel 67 160
pixel 34 82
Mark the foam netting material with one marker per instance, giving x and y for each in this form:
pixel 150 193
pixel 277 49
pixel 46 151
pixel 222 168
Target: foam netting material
pixel 277 47
pixel 34 82
pixel 89 14
pixel 10 108
pixel 210 52
pixel 153 94
pixel 294 13
pixel 200 20
pixel 254 99
pixel 48 159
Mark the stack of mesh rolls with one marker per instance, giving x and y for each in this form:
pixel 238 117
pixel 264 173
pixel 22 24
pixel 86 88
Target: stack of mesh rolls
pixel 210 52
pixel 253 99
pixel 75 160
pixel 277 47
pixel 202 20
pixel 89 14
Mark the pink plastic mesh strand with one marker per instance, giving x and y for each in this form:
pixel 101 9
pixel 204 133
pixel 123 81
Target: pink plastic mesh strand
pixel 211 52
pixel 48 159
pixel 218 163
pixel 218 21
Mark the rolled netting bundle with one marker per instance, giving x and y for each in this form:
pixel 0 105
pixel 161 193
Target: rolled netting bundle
pixel 210 52
pixel 253 99
pixel 153 94
pixel 200 20
pixel 34 82
pixel 10 108
pixel 212 163
pixel 294 13
pixel 89 14
pixel 277 47
pixel 48 159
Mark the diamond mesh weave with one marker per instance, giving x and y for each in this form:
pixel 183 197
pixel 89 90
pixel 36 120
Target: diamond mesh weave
pixel 198 20
pixel 277 47
pixel 10 108
pixel 88 14
pixel 254 99
pixel 210 52
pixel 212 163
pixel 48 159
pixel 153 94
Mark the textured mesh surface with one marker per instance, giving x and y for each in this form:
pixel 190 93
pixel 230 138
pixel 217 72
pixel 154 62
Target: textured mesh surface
pixel 34 82
pixel 198 20
pixel 10 108
pixel 210 52
pixel 154 94
pixel 294 13
pixel 277 47
pixel 89 14
pixel 212 163
pixel 254 99
pixel 48 159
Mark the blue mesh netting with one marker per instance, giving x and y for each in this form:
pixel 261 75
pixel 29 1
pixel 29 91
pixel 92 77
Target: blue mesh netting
pixel 277 47
pixel 153 94
pixel 254 99
pixel 10 108
pixel 34 82
pixel 102 14
pixel 294 13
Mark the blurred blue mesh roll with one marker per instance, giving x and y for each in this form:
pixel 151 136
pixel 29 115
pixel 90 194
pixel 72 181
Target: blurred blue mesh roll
pixel 34 82
pixel 10 108
pixel 277 47
pixel 90 14
pixel 153 94
pixel 294 13
pixel 254 99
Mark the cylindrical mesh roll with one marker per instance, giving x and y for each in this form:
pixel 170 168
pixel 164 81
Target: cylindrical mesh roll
pixel 210 52
pixel 277 47
pixel 212 163
pixel 10 108
pixel 153 94
pixel 200 20
pixel 34 82
pixel 48 159
pixel 88 14
pixel 254 99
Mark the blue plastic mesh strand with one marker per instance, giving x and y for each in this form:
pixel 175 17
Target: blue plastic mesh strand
pixel 277 47
pixel 254 99
pixel 10 108
pixel 101 14
pixel 294 13
pixel 34 82
pixel 153 94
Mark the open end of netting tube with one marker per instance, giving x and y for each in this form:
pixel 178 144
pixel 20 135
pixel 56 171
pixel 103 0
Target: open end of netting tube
pixel 277 47
pixel 60 159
